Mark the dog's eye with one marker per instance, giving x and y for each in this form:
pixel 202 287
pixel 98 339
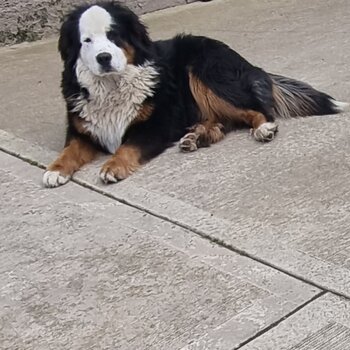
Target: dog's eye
pixel 87 40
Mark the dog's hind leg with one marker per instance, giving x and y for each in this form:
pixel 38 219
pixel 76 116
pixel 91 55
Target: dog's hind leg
pixel 262 130
pixel 217 111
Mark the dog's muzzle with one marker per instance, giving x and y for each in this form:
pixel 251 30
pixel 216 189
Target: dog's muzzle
pixel 104 59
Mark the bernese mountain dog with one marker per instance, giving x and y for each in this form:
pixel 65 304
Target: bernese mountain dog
pixel 133 97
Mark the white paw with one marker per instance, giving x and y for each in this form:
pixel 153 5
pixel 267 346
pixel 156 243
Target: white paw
pixel 54 179
pixel 189 142
pixel 108 177
pixel 265 132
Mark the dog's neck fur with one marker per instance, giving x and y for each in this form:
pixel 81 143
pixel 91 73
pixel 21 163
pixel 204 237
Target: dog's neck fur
pixel 114 101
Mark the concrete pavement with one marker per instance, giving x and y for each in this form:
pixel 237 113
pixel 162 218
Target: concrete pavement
pixel 241 245
pixel 78 268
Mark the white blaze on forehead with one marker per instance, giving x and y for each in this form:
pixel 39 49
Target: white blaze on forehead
pixel 94 24
pixel 95 20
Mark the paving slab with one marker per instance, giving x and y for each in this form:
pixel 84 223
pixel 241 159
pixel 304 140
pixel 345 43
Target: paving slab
pixel 81 271
pixel 322 325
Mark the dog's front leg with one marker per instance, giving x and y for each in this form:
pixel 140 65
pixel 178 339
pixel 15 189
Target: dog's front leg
pixel 142 144
pixel 125 161
pixel 77 153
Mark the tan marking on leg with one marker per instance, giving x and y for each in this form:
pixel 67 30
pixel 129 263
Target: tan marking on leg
pixel 209 133
pixel 73 157
pixel 202 135
pixel 214 109
pixel 200 94
pixel 254 119
pixel 123 163
pixel 262 130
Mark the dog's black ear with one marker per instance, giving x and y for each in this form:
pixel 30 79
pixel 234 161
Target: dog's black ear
pixel 140 31
pixel 68 42
pixel 64 41
pixel 139 38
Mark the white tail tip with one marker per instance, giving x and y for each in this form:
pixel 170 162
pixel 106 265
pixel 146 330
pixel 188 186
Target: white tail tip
pixel 340 106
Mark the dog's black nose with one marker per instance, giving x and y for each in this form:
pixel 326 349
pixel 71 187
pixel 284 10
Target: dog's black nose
pixel 104 59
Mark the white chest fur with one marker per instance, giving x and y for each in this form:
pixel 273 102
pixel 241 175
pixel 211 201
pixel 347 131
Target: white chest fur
pixel 114 101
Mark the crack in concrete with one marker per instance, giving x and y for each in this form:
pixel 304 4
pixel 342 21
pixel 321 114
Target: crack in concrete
pixel 275 324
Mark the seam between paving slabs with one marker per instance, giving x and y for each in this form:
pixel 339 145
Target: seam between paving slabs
pixel 276 323
pixel 200 233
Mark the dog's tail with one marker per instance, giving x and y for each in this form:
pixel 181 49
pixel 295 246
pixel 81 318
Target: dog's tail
pixel 293 98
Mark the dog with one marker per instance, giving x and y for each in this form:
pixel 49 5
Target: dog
pixel 133 97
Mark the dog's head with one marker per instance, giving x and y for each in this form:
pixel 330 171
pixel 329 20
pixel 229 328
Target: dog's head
pixel 106 37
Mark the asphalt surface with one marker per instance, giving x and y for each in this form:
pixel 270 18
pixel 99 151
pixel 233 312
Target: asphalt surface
pixel 238 246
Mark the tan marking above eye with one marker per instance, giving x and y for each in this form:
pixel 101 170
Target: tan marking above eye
pixel 129 53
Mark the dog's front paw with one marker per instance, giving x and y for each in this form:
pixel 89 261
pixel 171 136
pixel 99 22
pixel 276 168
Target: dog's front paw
pixel 54 179
pixel 115 170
